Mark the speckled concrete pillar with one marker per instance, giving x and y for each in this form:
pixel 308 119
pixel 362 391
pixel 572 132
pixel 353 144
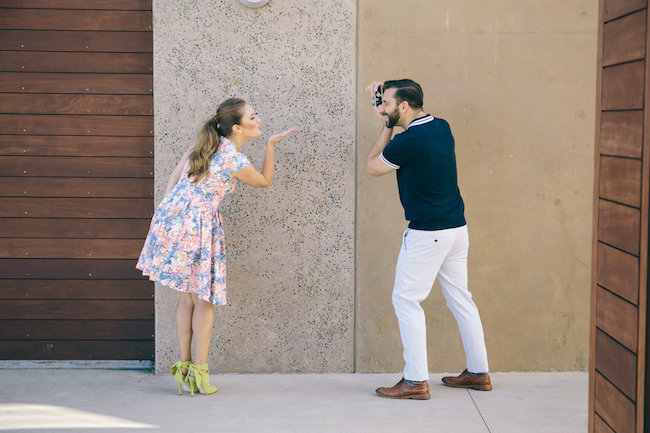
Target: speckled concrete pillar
pixel 291 246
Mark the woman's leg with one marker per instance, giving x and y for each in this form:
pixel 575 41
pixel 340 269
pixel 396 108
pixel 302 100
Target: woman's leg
pixel 184 314
pixel 202 321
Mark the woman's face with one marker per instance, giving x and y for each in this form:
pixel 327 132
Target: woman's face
pixel 250 123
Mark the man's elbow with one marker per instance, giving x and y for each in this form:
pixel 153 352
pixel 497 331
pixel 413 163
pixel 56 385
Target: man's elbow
pixel 372 171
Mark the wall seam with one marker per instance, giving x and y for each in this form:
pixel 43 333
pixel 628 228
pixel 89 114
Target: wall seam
pixel 356 192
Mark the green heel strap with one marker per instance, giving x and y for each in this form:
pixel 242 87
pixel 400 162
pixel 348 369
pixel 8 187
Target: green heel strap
pixel 177 371
pixel 201 378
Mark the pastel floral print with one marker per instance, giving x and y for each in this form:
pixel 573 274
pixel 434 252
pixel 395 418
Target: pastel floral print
pixel 185 248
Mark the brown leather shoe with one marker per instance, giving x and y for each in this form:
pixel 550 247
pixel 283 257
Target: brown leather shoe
pixel 404 390
pixel 480 382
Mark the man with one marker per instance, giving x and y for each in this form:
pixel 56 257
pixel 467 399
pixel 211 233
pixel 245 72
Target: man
pixel 436 241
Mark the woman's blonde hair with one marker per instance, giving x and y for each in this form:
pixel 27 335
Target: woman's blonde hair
pixel 229 114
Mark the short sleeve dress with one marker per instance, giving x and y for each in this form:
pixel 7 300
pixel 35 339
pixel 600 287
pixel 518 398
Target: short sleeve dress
pixel 185 248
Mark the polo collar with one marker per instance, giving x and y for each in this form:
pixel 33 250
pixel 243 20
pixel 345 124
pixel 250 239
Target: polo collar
pixel 420 121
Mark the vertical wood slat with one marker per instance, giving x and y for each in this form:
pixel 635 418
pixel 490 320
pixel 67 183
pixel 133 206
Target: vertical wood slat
pixel 608 129
pixel 642 395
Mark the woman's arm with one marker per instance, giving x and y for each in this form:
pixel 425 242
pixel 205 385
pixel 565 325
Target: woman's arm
pixel 176 174
pixel 254 178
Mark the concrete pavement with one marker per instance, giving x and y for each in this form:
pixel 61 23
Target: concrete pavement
pixel 102 401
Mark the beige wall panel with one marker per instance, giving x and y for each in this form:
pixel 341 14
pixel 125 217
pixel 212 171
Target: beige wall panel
pixel 518 88
pixel 290 247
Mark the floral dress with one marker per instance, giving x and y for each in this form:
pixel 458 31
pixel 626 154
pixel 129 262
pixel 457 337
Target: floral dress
pixel 185 248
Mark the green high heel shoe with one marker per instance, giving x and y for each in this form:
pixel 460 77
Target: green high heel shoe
pixel 198 377
pixel 177 371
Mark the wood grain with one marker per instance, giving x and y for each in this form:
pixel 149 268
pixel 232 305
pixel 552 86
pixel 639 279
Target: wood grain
pixel 613 407
pixel 618 272
pixel 75 329
pixel 619 226
pixel 76 208
pixel 77 350
pixel 624 39
pixel 616 8
pixel 37 82
pixel 120 126
pixel 47 145
pixel 45 40
pixel 76 289
pixel 618 318
pixel 69 269
pixel 616 363
pixel 46 61
pixel 70 248
pixel 77 228
pixel 81 166
pixel 79 4
pixel 125 105
pixel 623 86
pixel 621 133
pixel 53 309
pixel 75 187
pixel 55 19
pixel 620 180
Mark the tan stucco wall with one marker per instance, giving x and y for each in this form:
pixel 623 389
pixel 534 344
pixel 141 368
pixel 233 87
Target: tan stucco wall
pixel 516 81
pixel 290 247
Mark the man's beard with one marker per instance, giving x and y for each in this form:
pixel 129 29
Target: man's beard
pixel 393 118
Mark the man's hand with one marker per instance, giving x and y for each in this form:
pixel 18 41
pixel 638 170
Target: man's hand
pixel 371 89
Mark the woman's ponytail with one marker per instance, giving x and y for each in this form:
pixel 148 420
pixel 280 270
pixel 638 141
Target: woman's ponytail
pixel 229 113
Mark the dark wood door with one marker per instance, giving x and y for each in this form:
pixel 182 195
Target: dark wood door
pixel 617 398
pixel 76 179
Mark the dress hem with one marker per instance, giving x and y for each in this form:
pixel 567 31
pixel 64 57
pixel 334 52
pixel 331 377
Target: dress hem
pixel 177 288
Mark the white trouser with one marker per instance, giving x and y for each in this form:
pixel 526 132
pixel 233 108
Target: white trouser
pixel 423 256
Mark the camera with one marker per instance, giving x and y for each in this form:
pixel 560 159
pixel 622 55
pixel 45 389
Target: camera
pixel 377 95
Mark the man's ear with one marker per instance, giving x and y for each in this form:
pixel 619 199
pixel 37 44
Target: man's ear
pixel 404 107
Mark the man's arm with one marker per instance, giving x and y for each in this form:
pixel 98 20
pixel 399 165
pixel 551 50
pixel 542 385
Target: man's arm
pixel 375 166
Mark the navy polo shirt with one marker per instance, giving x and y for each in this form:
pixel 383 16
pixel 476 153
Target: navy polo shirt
pixel 424 158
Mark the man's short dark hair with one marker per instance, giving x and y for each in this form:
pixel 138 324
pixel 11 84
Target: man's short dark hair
pixel 406 90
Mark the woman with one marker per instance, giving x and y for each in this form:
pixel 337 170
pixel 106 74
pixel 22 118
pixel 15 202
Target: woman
pixel 185 247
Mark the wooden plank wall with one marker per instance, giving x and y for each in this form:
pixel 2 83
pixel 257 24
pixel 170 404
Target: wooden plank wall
pixel 620 254
pixel 76 179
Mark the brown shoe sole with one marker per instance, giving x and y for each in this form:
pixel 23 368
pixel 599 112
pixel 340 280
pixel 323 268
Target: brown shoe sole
pixel 426 396
pixel 476 387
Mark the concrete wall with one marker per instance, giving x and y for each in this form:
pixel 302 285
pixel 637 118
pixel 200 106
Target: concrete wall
pixel 290 247
pixel 516 81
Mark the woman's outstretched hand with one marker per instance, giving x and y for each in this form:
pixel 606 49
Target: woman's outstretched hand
pixel 275 139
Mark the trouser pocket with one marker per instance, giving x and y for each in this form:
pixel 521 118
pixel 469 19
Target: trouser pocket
pixel 404 236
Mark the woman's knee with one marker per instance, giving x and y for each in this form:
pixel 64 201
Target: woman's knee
pixel 185 299
pixel 203 305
